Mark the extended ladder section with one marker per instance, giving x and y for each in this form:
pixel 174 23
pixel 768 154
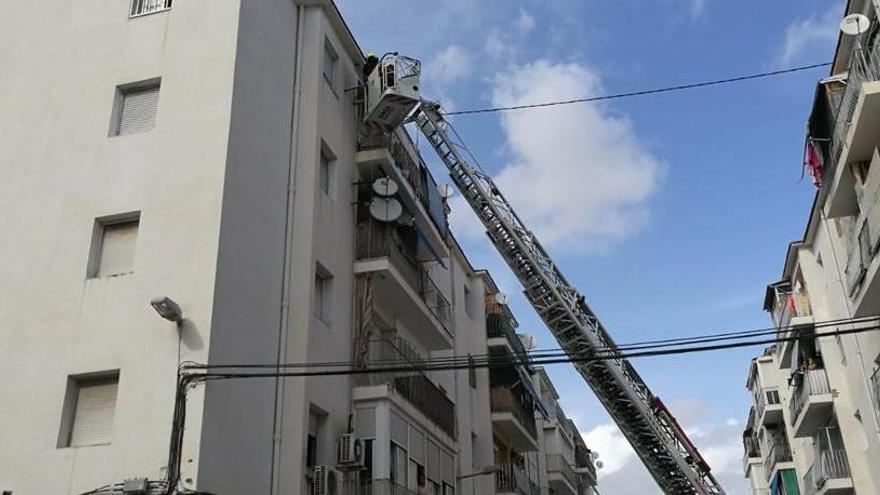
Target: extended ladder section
pixel 664 448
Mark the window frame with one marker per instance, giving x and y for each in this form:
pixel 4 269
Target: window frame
pixel 93 265
pixel 120 93
pixel 75 383
pixel 323 294
pixel 166 6
pixel 327 161
pixel 330 65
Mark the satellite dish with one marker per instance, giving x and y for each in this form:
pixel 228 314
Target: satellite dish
pixel 594 455
pixel 501 298
pixel 528 341
pixel 599 464
pixel 855 24
pixel 446 191
pixel 385 209
pixel 385 186
pixel 406 220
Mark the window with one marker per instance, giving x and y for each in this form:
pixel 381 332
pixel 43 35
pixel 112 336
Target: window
pixel 327 171
pixel 89 406
pixel 323 294
pixel 398 465
pixel 313 439
pixel 144 7
pixel 114 239
pixel 330 65
pixel 472 372
pixel 135 108
pixel 468 308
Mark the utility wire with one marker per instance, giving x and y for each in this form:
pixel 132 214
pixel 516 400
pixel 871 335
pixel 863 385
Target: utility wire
pixel 425 363
pixel 668 89
pixel 491 361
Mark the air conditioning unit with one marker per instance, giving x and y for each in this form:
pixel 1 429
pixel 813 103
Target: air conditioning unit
pixel 349 451
pixel 326 481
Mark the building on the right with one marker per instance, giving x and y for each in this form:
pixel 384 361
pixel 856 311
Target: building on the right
pixel 815 424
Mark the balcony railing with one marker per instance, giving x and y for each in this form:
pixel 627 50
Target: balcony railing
pixel 144 7
pixel 829 464
pixel 751 447
pixel 504 400
pixel 809 382
pixel 510 478
pixel 499 325
pixel 875 388
pixel 770 396
pixel 556 463
pixel 861 70
pixel 413 385
pixel 377 239
pixel 779 452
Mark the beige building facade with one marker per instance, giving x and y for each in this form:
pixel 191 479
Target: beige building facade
pixel 815 426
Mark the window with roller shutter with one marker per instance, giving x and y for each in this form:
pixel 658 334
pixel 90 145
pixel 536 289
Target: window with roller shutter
pixel 89 410
pixel 136 109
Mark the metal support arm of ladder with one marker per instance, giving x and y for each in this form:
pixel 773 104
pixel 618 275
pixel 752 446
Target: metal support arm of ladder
pixel 662 446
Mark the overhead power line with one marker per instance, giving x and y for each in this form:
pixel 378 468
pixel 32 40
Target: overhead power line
pixel 668 89
pixel 549 356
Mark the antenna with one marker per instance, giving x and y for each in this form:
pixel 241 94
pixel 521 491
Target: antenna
pixel 385 209
pixel 501 298
pixel 385 186
pixel 855 24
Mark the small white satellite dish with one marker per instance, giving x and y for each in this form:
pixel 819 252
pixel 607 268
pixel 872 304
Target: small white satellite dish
pixel 594 455
pixel 855 24
pixel 385 186
pixel 385 209
pixel 501 298
pixel 406 220
pixel 528 341
pixel 446 191
pixel 599 464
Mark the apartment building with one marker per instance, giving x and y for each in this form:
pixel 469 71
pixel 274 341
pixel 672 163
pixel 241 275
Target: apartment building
pixel 818 391
pixel 211 160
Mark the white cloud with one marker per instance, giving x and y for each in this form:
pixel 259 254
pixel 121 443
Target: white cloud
pixel 525 22
pixel 450 65
pixel 696 9
pixel 623 473
pixel 814 31
pixel 578 176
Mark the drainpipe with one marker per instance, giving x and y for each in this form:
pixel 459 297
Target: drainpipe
pixel 284 316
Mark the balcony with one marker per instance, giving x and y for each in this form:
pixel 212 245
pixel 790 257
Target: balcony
pixel 846 131
pixel 829 474
pixel 791 312
pixel 779 453
pixel 513 418
pixel 411 385
pixel 145 7
pixel 811 402
pixel 396 157
pixel 769 408
pixel 402 286
pixel 862 240
pixel 751 450
pixel 511 479
pixel 561 475
pixel 501 331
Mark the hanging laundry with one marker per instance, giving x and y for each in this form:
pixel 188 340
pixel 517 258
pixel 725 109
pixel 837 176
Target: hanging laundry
pixel 813 163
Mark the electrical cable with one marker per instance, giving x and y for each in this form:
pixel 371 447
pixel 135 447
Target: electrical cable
pixel 426 363
pixel 667 89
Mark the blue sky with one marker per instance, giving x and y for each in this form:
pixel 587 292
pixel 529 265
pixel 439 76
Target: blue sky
pixel 670 213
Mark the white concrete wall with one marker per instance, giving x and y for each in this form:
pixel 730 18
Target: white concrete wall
pixel 59 170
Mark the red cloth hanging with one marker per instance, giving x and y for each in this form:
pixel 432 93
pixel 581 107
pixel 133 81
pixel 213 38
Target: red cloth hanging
pixel 814 163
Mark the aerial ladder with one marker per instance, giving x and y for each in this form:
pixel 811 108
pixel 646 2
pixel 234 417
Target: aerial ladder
pixel 392 99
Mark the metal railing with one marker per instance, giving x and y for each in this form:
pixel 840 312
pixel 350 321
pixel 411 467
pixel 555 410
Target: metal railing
pixel 144 7
pixel 499 325
pixel 779 452
pixel 829 464
pixel 556 463
pixel 510 478
pixel 413 385
pixel 504 400
pixel 435 300
pixel 807 383
pixel 875 388
pixel 861 70
pixel 751 447
pixel 375 239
